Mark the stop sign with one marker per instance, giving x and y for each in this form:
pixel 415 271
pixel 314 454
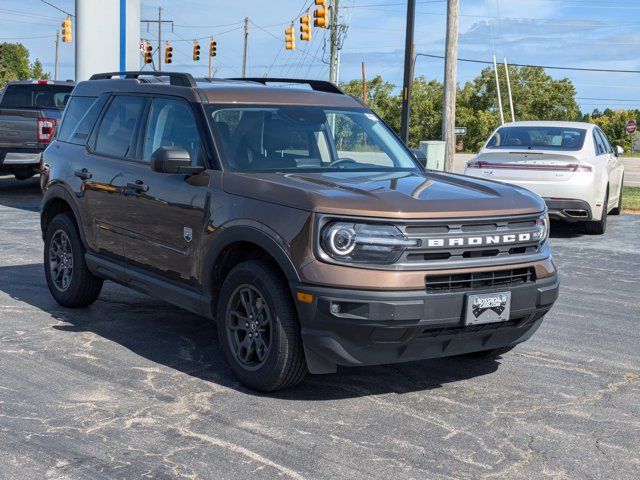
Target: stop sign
pixel 631 127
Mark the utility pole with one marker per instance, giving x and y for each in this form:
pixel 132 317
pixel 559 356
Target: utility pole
pixel 333 39
pixel 55 64
pixel 450 85
pixel 159 21
pixel 408 72
pixel 495 69
pixel 506 71
pixel 246 45
pixel 364 84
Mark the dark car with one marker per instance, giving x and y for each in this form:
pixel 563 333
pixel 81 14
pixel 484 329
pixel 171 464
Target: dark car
pixel 294 217
pixel 29 114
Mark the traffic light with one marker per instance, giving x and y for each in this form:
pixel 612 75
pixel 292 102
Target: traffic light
pixel 66 30
pixel 320 14
pixel 290 38
pixel 168 53
pixel 305 27
pixel 196 51
pixel 213 48
pixel 147 53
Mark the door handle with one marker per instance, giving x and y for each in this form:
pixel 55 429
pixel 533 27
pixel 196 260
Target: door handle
pixel 84 174
pixel 138 186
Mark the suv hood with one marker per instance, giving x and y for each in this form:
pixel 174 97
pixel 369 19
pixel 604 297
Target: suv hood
pixel 387 195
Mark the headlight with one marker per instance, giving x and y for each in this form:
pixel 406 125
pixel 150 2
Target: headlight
pixel 363 243
pixel 542 232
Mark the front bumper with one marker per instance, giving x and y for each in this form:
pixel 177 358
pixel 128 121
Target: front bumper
pixel 374 327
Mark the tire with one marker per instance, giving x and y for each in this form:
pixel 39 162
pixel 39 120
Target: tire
pixel 273 329
pixel 74 286
pixel 598 227
pixel 618 209
pixel 490 354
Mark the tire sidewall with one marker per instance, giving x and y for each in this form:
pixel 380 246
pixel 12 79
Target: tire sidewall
pixel 254 274
pixel 64 223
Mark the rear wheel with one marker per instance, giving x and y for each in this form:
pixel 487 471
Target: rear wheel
pixel 258 328
pixel 598 227
pixel 616 211
pixel 68 277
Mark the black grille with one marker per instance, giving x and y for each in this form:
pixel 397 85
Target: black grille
pixel 479 280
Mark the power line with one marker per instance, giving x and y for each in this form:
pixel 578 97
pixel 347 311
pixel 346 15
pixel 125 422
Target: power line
pixel 27 38
pixel 57 8
pixel 549 67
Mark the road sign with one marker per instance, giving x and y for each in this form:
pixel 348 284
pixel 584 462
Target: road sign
pixel 631 127
pixel 461 130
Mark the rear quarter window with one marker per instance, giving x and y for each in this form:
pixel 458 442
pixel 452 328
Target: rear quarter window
pixel 76 109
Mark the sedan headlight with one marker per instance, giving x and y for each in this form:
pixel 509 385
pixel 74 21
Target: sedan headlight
pixel 364 243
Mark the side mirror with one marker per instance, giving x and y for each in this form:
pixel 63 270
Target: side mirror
pixel 419 156
pixel 173 160
pixel 619 150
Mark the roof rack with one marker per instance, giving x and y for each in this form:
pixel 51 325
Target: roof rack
pixel 318 85
pixel 175 78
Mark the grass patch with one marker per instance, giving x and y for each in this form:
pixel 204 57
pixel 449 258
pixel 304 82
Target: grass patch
pixel 631 199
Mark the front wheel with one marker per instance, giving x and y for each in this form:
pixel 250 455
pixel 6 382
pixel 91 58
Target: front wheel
pixel 258 328
pixel 68 277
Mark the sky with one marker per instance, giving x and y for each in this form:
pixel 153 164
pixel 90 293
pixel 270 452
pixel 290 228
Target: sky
pixel 601 34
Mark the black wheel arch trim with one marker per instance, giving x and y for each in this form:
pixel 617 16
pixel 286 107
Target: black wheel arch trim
pixel 252 234
pixel 55 192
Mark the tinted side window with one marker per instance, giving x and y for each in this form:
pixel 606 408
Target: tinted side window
pixel 118 125
pixel 600 148
pixel 172 124
pixel 80 135
pixel 605 141
pixel 76 109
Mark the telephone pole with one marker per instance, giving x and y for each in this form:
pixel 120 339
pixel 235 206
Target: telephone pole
pixel 159 21
pixel 450 84
pixel 408 72
pixel 55 64
pixel 333 39
pixel 364 84
pixel 246 45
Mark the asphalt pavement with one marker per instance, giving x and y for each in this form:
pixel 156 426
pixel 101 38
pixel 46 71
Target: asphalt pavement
pixel 134 388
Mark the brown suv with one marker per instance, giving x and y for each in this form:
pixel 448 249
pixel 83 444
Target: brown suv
pixel 294 217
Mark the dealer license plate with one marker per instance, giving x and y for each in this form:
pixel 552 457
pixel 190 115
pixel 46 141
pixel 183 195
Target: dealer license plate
pixel 488 308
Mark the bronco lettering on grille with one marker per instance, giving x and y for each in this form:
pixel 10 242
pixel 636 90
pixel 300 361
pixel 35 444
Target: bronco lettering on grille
pixel 480 240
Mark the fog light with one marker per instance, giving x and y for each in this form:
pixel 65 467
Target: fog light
pixel 335 308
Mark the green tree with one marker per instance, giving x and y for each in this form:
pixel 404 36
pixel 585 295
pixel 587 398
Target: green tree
pixel 536 96
pixel 613 122
pixel 14 64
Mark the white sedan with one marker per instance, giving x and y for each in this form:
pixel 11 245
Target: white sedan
pixel 571 165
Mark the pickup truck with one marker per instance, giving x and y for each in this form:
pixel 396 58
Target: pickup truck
pixel 30 111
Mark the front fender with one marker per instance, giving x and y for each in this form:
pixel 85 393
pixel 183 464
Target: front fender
pixel 252 232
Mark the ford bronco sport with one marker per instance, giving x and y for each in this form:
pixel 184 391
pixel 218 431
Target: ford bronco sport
pixel 292 216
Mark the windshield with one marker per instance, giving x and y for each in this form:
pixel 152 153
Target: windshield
pixel 286 138
pixel 556 138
